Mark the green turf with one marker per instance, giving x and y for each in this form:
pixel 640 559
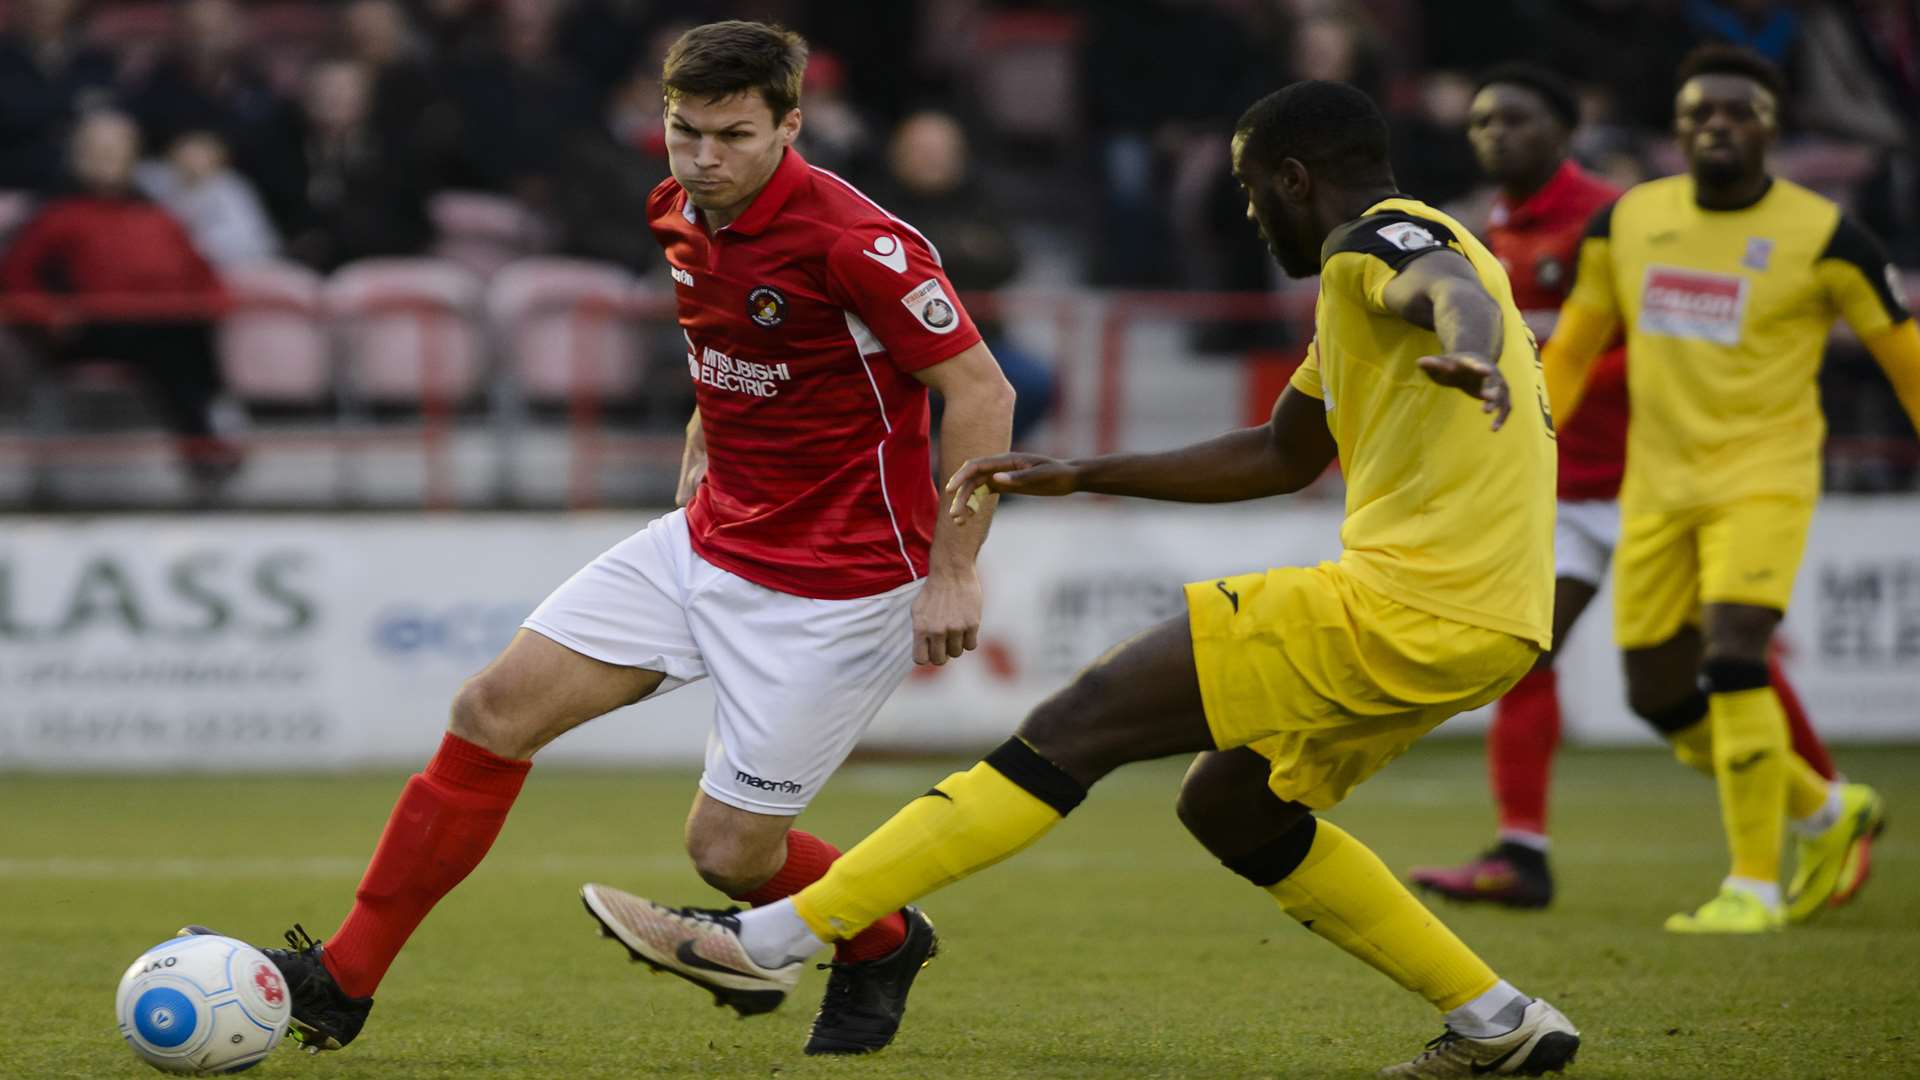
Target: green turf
pixel 1114 948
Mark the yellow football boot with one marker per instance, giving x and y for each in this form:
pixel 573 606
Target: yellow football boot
pixel 1831 867
pixel 1734 911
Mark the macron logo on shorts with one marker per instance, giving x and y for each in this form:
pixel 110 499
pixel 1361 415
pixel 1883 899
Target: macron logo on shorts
pixel 784 787
pixel 1693 304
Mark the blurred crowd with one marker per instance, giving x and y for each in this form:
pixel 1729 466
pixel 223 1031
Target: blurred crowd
pixel 1055 143
pixel 322 132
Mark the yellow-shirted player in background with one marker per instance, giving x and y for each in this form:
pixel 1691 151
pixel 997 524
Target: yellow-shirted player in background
pixel 1296 684
pixel 1728 282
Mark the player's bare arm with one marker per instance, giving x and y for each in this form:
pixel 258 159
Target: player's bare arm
pixel 693 462
pixel 1283 455
pixel 1440 292
pixel 977 421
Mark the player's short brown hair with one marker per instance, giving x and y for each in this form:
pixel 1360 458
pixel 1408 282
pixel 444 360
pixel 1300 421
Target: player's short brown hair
pixel 721 59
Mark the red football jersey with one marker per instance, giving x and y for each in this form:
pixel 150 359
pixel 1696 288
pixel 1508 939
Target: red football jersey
pixel 1539 244
pixel 804 320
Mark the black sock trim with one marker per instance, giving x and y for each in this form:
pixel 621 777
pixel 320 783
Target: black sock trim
pixel 1039 777
pixel 1725 676
pixel 1678 718
pixel 1270 863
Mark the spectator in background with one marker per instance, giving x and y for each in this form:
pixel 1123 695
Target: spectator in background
pixel 601 211
pixel 219 209
pixel 1432 159
pixel 453 27
pixel 928 183
pixel 103 243
pixel 48 76
pixel 360 195
pixel 1768 27
pixel 1631 48
pixel 380 37
pixel 835 135
pixel 1338 47
pixel 518 104
pixel 208 82
pixel 1143 95
pixel 1859 79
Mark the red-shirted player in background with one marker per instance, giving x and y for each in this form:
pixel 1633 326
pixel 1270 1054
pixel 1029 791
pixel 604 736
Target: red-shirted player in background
pixel 1521 126
pixel 806 573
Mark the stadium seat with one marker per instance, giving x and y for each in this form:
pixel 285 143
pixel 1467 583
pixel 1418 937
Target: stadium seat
pixel 15 208
pixel 274 347
pixel 1025 74
pixel 288 37
pixel 135 32
pixel 407 327
pixel 483 231
pixel 561 320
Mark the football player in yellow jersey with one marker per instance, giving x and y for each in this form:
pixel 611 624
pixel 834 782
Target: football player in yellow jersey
pixel 1295 684
pixel 1728 281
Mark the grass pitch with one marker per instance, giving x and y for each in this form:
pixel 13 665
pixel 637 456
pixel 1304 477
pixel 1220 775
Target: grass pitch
pixel 1115 947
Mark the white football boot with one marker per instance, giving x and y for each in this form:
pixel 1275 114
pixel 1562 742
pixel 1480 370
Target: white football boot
pixel 1544 1042
pixel 700 945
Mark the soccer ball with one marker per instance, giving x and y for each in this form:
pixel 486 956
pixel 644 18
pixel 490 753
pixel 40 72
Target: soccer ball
pixel 201 1005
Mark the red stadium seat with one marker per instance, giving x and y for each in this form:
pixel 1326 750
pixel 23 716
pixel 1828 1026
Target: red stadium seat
pixel 15 208
pixel 1025 74
pixel 137 33
pixel 288 37
pixel 407 326
pixel 274 348
pixel 562 329
pixel 483 231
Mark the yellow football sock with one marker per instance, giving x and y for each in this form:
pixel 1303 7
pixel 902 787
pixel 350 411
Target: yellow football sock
pixel 1750 752
pixel 1806 788
pixel 1343 892
pixel 968 822
pixel 1694 746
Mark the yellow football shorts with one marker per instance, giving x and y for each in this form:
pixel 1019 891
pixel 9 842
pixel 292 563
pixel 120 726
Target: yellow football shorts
pixel 1330 680
pixel 1671 562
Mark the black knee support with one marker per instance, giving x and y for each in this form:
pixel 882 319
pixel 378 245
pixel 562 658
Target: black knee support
pixel 1690 711
pixel 1041 778
pixel 1724 676
pixel 1270 863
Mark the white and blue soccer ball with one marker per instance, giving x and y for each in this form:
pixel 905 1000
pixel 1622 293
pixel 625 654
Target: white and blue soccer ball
pixel 202 1005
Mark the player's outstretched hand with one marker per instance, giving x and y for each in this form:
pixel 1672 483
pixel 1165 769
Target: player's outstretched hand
pixel 946 618
pixel 1475 376
pixel 1020 474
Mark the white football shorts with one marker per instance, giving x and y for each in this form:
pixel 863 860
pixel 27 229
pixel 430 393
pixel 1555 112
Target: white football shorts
pixel 1585 532
pixel 797 680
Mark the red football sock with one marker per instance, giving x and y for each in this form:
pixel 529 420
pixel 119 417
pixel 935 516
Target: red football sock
pixel 441 828
pixel 1520 746
pixel 808 857
pixel 1805 742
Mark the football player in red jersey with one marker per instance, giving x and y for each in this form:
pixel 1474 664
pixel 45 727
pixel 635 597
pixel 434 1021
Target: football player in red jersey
pixel 807 571
pixel 1521 126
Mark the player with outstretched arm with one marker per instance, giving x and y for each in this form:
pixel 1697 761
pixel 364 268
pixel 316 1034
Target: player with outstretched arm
pixel 1292 685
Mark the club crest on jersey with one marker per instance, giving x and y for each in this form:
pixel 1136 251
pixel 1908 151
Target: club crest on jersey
pixel 766 306
pixel 931 306
pixel 1759 250
pixel 1407 236
pixel 1681 303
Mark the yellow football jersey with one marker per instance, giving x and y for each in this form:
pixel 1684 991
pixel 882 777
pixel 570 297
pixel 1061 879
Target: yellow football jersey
pixel 1443 514
pixel 1727 314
